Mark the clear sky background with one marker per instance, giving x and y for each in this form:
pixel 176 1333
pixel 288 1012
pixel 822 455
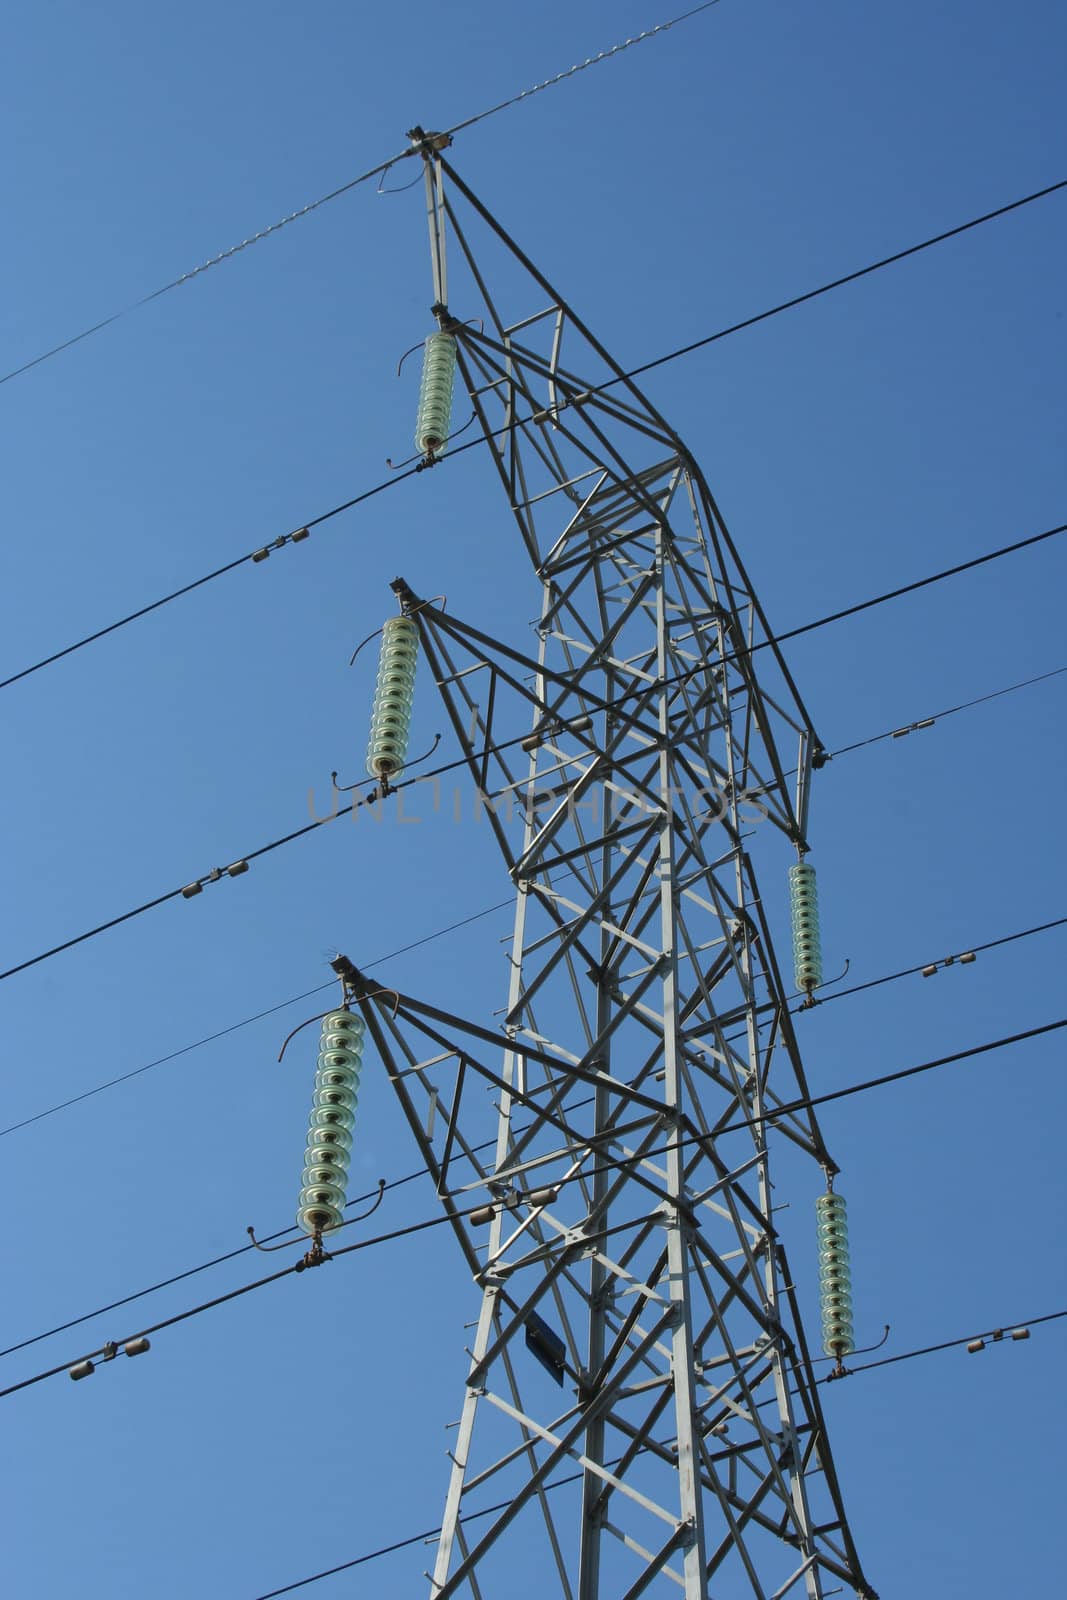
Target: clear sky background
pixel 890 429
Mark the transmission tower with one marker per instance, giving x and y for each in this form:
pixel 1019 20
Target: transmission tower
pixel 640 1410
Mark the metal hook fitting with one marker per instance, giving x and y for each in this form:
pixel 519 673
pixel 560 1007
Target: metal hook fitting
pixel 365 641
pixel 317 1253
pixel 370 1209
pixel 810 1002
pixel 431 457
pixel 382 788
pixel 286 1244
pixel 309 1020
pixel 840 1370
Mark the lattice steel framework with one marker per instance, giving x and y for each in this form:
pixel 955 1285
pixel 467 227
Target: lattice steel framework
pixel 619 1224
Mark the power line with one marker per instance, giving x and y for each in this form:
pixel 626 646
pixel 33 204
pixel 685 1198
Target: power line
pixel 479 1512
pixel 192 1272
pixel 253 556
pixel 910 588
pixel 808 1102
pixel 245 1022
pixel 421 1171
pixel 187 891
pixel 939 716
pixel 345 188
pixel 475 916
pixel 591 61
pixel 806 628
pixel 573 1477
pixel 928 721
pixel 851 277
pixel 448 767
pixel 231 1255
pixel 403 1544
pixel 396 1183
pixel 973 949
pixel 951 1344
pixel 582 1176
pixel 241 865
pixel 458 450
pixel 231 1294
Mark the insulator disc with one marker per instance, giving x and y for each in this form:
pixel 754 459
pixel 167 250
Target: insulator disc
pixel 322 1194
pixel 351 1043
pixel 316 1177
pixel 318 1219
pixel 343 1022
pixel 334 1095
pixel 336 1078
pixel 324 1165
pixel 333 1116
pixel 329 1138
pixel 340 1058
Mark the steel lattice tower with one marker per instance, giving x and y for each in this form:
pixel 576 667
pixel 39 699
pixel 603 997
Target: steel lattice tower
pixel 619 1225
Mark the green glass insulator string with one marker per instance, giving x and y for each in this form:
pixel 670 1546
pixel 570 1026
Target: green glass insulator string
pixel 835 1279
pixel 324 1181
pixel 394 695
pixel 435 394
pixel 804 909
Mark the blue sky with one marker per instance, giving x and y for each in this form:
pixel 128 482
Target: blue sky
pixel 889 429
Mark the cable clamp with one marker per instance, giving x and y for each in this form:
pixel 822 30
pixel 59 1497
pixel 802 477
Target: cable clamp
pixel 277 544
pixel 428 142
